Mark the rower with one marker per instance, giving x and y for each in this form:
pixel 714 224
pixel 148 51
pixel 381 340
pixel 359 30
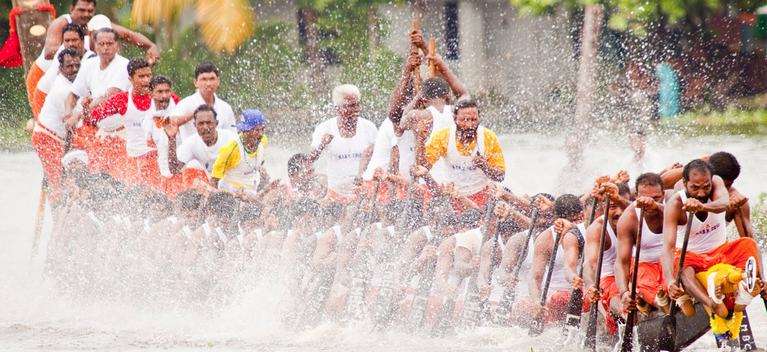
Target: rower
pixel 608 292
pixel 73 37
pixel 392 133
pixel 569 214
pixel 163 137
pixel 81 12
pixel 133 107
pixel 238 167
pixel 349 140
pixel 649 189
pixel 200 150
pixel 49 135
pixel 206 81
pixel 706 196
pixel 472 153
pixel 515 248
pixel 99 77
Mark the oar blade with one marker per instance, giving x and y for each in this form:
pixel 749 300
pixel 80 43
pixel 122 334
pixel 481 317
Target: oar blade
pixel 667 333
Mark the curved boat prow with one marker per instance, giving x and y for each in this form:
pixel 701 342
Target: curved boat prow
pixel 688 330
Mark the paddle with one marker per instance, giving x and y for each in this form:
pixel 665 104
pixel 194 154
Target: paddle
pixel 575 304
pixel 536 326
pixel 628 332
pixel 591 329
pixel 668 326
pixel 509 294
pixel 473 306
pixel 39 216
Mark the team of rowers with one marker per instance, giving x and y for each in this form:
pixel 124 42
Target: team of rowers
pixel 408 222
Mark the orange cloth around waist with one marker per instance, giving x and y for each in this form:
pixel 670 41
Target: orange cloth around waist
pixel 735 253
pixel 33 76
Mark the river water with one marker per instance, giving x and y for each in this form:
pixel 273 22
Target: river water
pixel 34 316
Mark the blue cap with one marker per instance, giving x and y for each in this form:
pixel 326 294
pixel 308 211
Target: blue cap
pixel 251 118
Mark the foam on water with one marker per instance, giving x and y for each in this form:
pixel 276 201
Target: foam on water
pixel 34 316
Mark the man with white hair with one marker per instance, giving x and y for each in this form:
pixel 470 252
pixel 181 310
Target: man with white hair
pixel 349 140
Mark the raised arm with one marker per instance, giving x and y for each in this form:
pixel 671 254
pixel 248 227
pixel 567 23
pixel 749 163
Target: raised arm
pixel 455 84
pixel 139 40
pixel 400 95
pixel 672 213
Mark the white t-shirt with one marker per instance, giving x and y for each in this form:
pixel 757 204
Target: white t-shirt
pixel 385 141
pixel 188 105
pixel 193 148
pixel 45 82
pixel 94 82
pixel 344 155
pixel 52 113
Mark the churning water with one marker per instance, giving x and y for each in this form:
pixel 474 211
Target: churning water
pixel 36 315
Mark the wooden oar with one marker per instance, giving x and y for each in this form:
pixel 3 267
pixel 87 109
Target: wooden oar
pixel 591 329
pixel 536 326
pixel 39 216
pixel 575 304
pixel 628 333
pixel 668 326
pixel 509 294
pixel 416 26
pixel 432 50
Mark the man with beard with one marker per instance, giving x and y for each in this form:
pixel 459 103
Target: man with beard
pixel 608 295
pixel 163 137
pixel 472 153
pixel 704 196
pixel 49 135
pixel 568 212
pixel 649 200
pixel 200 150
pixel 73 37
pixel 349 140
pixel 238 167
pixel 133 106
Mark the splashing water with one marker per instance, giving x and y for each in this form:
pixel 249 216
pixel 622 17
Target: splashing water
pixel 145 307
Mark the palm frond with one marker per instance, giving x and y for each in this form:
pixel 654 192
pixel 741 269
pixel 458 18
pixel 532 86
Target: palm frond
pixel 156 11
pixel 224 24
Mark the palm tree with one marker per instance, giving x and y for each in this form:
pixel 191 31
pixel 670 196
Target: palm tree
pixel 223 24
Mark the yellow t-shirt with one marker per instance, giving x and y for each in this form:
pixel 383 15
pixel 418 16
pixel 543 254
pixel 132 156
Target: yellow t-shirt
pixel 229 157
pixel 437 148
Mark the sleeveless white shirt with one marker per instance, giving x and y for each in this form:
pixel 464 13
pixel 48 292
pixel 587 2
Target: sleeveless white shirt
pixel 652 243
pixel 610 254
pixel 135 136
pixel 705 235
pixel 158 137
pixel 468 178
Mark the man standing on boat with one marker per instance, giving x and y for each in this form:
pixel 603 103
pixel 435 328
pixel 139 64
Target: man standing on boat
pixel 472 153
pixel 349 141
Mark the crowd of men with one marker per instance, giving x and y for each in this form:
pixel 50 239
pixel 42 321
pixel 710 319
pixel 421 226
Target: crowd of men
pixel 408 224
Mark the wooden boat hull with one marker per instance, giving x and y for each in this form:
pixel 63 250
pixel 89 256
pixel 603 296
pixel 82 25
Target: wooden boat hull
pixel 688 330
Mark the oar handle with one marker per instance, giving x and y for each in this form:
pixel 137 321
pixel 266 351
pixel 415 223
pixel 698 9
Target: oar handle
pixel 637 251
pixel 683 252
pixel 526 245
pixel 602 237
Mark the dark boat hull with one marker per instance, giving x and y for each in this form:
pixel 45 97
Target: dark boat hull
pixel 688 330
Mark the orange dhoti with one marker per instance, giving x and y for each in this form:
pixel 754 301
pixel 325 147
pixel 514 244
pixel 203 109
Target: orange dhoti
pixel 38 99
pixel 50 149
pixel 609 291
pixel 33 76
pixel 107 155
pixel 649 281
pixel 480 199
pixel 146 171
pixel 735 253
